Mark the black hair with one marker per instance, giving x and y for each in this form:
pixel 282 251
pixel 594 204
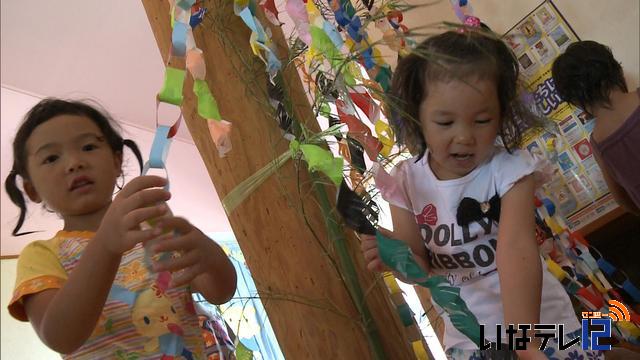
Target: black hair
pixel 586 74
pixel 42 112
pixel 451 55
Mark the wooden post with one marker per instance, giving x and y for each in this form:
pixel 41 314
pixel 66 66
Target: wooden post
pixel 310 309
pixel 436 321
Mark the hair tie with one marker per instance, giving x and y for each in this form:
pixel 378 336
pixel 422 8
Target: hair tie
pixel 470 21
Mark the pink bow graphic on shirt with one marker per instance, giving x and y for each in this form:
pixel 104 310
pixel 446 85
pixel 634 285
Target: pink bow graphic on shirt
pixel 429 215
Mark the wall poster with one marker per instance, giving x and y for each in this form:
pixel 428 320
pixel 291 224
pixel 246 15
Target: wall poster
pixel 578 187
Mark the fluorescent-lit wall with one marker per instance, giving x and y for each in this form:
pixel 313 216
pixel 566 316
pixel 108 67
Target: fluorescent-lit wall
pixel 19 340
pixel 614 23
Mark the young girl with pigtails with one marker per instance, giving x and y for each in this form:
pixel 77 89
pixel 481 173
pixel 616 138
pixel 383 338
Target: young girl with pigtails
pixel 464 204
pixel 89 292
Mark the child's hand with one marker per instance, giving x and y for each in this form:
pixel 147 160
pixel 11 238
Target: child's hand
pixel 136 203
pixel 196 249
pixel 369 246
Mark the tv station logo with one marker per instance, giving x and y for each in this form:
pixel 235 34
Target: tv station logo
pixel 596 327
pixel 595 332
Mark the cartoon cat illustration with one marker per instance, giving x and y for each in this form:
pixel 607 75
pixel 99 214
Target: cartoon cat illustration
pixel 155 318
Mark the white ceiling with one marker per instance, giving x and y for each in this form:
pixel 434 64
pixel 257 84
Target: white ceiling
pixel 103 50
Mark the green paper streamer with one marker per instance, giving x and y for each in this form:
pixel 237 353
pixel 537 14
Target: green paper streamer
pixel 323 43
pixel 207 104
pixel 325 109
pixel 406 315
pixel 320 159
pixel 172 88
pixel 384 77
pixel 243 352
pixel 397 255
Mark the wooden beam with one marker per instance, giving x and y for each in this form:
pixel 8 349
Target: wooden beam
pixel 436 321
pixel 309 307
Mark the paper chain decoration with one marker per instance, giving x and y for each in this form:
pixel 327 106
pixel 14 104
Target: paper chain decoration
pixel 185 14
pixel 593 282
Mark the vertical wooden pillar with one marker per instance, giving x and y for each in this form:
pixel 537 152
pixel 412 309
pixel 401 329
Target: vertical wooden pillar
pixel 306 300
pixel 436 321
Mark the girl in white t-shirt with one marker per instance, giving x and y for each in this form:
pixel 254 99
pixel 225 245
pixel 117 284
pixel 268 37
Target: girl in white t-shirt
pixel 465 205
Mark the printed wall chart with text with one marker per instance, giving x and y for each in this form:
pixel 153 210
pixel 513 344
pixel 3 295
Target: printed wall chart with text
pixel 578 187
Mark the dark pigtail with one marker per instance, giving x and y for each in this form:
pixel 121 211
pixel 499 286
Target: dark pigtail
pixel 136 151
pixel 17 198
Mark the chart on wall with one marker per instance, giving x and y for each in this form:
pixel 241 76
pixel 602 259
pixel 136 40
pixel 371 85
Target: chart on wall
pixel 578 187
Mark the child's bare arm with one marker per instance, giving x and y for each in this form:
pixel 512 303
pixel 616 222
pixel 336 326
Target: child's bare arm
pixel 78 304
pixel 76 307
pixel 518 259
pixel 406 229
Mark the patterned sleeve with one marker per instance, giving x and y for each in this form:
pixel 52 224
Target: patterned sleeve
pixel 38 269
pixel 509 168
pixel 392 186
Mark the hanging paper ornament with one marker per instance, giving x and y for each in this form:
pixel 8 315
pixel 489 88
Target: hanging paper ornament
pixel 363 100
pixel 359 131
pixel 179 39
pixel 319 159
pixel 326 87
pixel 332 122
pixel 270 11
pixel 186 14
pixel 260 40
pixel 197 14
pixel 220 134
pixel 298 13
pixel 195 64
pixel 207 105
pixel 323 45
pixel 343 149
pixel 276 98
pixel 171 91
pixel 368 4
pixel 356 150
pixel 285 122
pixel 354 211
pixel 385 136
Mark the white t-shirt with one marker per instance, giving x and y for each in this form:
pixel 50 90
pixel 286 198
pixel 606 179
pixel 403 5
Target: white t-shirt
pixel 466 256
